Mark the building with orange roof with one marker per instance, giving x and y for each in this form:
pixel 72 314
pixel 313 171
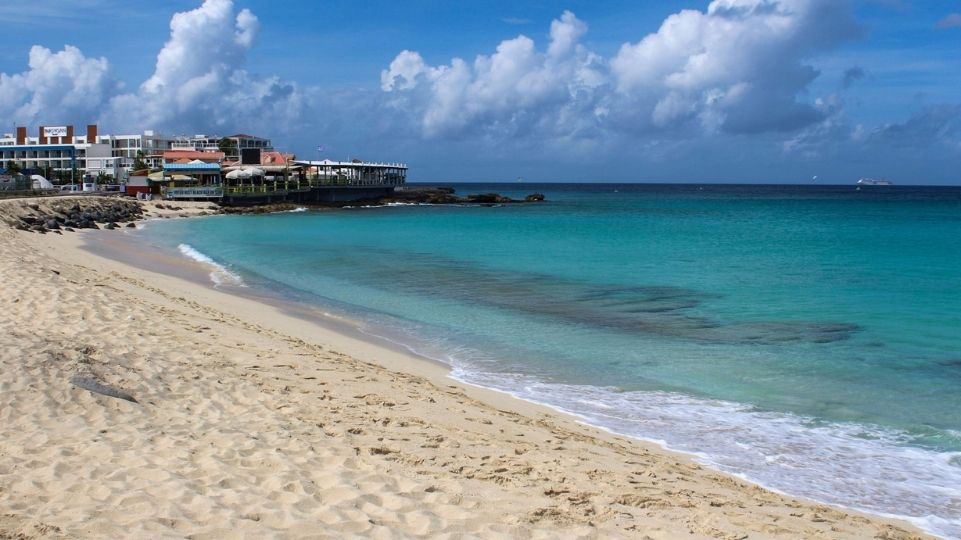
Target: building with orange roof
pixel 186 156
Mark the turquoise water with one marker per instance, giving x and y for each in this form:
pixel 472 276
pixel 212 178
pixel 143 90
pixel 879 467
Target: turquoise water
pixel 807 338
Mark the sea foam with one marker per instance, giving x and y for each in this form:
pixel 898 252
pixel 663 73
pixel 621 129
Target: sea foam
pixel 219 274
pixel 858 466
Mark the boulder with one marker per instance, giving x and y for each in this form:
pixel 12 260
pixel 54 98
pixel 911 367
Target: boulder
pixel 487 198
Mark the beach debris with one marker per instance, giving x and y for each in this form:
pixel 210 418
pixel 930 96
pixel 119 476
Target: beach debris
pixel 91 384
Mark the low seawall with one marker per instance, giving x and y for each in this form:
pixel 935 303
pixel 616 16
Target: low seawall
pixel 313 195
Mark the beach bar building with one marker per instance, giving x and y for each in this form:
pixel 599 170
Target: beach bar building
pixel 355 173
pixel 190 174
pixel 192 180
pixel 275 178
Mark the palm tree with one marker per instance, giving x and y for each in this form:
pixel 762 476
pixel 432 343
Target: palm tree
pixel 138 163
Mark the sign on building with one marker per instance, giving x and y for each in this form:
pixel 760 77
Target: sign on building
pixel 55 131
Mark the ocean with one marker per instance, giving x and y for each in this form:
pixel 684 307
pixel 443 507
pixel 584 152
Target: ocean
pixel 807 338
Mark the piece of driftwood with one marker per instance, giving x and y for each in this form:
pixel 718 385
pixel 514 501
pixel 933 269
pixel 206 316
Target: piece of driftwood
pixel 97 387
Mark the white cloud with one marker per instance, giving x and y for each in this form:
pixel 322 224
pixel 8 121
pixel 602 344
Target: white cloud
pixel 65 86
pixel 738 67
pixel 504 93
pixel 200 82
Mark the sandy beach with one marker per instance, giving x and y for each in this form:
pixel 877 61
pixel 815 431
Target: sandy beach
pixel 140 404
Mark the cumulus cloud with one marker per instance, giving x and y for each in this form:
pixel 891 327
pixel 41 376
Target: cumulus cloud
pixel 506 92
pixel 200 76
pixel 57 87
pixel 740 67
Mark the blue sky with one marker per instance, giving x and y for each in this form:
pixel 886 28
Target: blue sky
pixel 695 91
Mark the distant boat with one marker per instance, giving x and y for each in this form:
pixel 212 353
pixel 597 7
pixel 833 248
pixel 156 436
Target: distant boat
pixel 874 182
pixel 519 179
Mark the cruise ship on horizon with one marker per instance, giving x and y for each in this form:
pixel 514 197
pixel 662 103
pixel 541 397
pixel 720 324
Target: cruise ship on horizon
pixel 874 182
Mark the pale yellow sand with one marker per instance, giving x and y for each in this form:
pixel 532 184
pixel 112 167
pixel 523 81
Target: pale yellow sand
pixel 252 423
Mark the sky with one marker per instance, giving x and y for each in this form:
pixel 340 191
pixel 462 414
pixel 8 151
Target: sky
pixel 793 91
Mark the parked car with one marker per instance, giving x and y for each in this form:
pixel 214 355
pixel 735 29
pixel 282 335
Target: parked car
pixel 70 187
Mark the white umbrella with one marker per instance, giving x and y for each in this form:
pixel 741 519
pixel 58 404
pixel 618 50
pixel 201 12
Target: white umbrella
pixel 245 173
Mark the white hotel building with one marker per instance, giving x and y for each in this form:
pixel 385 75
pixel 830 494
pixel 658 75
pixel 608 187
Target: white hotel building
pixel 59 149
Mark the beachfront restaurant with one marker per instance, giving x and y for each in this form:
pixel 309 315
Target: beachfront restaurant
pixel 240 179
pixel 192 180
pixel 354 173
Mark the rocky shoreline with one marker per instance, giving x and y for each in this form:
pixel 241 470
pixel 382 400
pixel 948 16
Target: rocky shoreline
pixel 418 195
pixel 67 214
pixel 56 215
pixel 445 195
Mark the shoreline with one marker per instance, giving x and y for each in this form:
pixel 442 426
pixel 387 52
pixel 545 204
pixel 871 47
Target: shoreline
pixel 482 460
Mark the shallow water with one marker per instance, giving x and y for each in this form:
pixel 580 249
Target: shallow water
pixel 808 338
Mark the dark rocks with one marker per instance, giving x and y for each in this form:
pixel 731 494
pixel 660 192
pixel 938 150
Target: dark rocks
pixel 110 226
pixel 488 198
pixel 131 225
pixel 261 208
pixel 445 195
pixel 419 195
pixel 83 214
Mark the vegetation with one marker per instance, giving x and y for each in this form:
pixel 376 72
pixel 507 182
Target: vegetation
pixel 227 146
pixel 138 163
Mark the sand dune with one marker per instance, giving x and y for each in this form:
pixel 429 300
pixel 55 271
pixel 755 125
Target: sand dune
pixel 247 422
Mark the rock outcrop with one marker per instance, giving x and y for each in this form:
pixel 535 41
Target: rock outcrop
pixel 68 214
